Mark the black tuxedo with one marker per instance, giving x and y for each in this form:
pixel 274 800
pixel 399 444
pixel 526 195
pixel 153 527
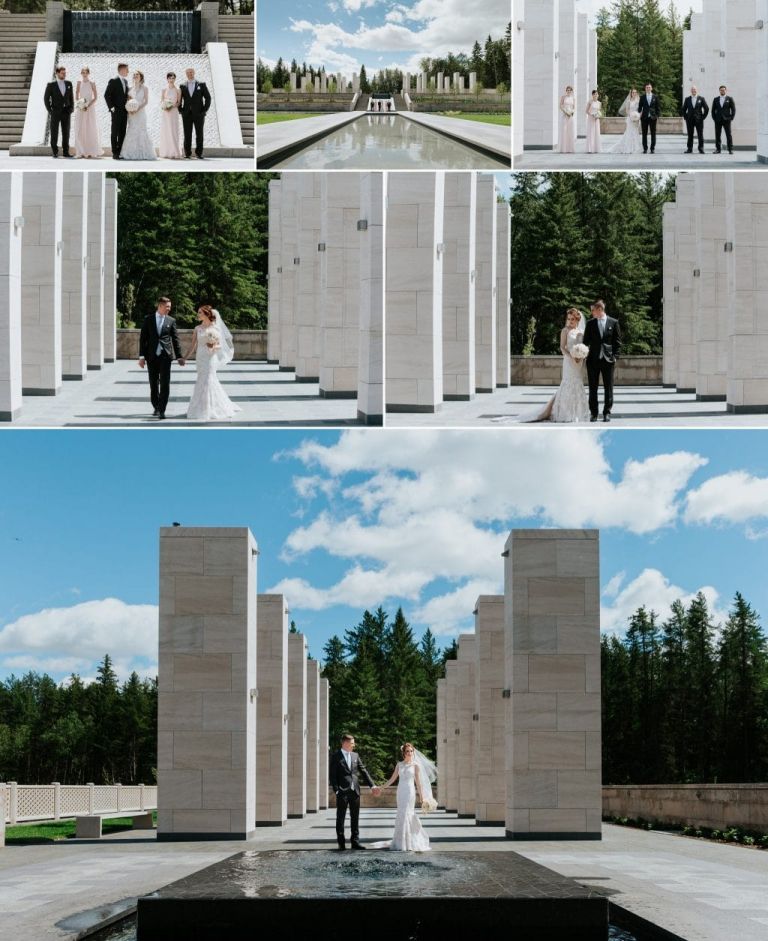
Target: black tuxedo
pixel 159 363
pixel 193 110
pixel 695 113
pixel 722 116
pixel 60 108
pixel 649 115
pixel 345 781
pixel 116 95
pixel 603 353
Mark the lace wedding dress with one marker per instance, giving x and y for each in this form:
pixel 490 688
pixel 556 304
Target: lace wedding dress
pixel 409 835
pixel 209 401
pixel 137 144
pixel 630 141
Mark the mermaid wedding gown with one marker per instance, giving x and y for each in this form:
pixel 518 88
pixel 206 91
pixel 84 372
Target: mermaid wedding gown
pixel 409 835
pixel 209 401
pixel 137 144
pixel 630 141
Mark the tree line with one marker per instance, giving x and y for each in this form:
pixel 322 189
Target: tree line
pixel 200 238
pixel 686 700
pixel 576 237
pixel 38 6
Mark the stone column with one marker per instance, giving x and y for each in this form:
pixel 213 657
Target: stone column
pixel 567 61
pixel 313 737
pixel 741 41
pixel 440 84
pixel 710 324
pixel 458 85
pixel 323 83
pixel 95 270
pixel 406 83
pixel 275 269
pixel 110 270
pixel 3 813
pixel 339 83
pixel 473 82
pixel 582 89
pixel 458 292
pixel 207 684
pixel 322 783
pixel 761 79
pixel 317 84
pixel 518 76
pixel 503 254
pixel 441 733
pixel 450 773
pixel 414 289
pixel 465 739
pixel 41 283
pixel 297 725
pixel 305 83
pixel 289 254
pixel 540 87
pixel 552 667
pixel 685 217
pixel 488 761
pixel 307 283
pixel 485 286
pixel 447 85
pixel 74 277
pixel 293 81
pixel 339 302
pixel 670 289
pixel 355 82
pixel 370 375
pixel 11 187
pixel 272 712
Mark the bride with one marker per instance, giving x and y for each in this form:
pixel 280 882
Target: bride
pixel 213 343
pixel 137 144
pixel 630 141
pixel 415 772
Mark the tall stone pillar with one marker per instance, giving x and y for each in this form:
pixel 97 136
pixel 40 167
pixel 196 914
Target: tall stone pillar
pixel 465 738
pixel 711 322
pixel 459 238
pixel 323 83
pixel 324 745
pixel 685 227
pixel 289 255
pixel 473 82
pixel 582 89
pixel 761 78
pixel 488 762
pixel 297 725
pixel 339 302
pixel 74 277
pixel 503 255
pixel 275 269
pixel 670 289
pixel 355 82
pixel 313 736
pixel 518 77
pixel 111 192
pixel 451 768
pixel 541 89
pixel 485 286
pixel 741 41
pixel 95 270
pixel 440 83
pixel 414 289
pixel 11 187
pixel 317 84
pixel 272 712
pixel 41 283
pixel 458 84
pixel 567 46
pixel 552 667
pixel 307 283
pixel 370 375
pixel 441 733
pixel 293 81
pixel 447 84
pixel 207 684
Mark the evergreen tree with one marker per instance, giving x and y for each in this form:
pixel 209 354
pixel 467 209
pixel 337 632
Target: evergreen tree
pixel 365 86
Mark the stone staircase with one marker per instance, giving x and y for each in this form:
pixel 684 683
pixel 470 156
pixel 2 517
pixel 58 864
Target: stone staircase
pixel 19 35
pixel 238 33
pixel 362 102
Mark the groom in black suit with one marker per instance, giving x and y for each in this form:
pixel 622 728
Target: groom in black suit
pixel 603 337
pixel 158 346
pixel 650 112
pixel 59 103
pixel 723 113
pixel 195 102
pixel 116 95
pixel 344 771
pixel 695 111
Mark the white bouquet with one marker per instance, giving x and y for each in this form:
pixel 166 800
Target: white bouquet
pixel 81 104
pixel 634 116
pixel 429 805
pixel 132 106
pixel 580 352
pixel 596 111
pixel 568 112
pixel 212 339
pixel 166 104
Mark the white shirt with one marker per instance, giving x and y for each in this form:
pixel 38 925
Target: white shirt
pixel 62 85
pixel 722 101
pixel 348 758
pixel 601 328
pixel 191 86
pixel 648 98
pixel 160 321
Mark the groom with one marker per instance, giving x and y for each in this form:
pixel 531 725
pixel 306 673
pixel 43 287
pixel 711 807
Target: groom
pixel 158 346
pixel 603 337
pixel 115 96
pixel 343 772
pixel 650 112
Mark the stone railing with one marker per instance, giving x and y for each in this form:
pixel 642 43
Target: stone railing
pixel 26 802
pixel 618 125
pixel 249 344
pixel 388 798
pixel 718 806
pixel 547 370
pixel 487 101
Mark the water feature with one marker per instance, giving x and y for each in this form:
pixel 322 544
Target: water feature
pixel 388 142
pixel 140 31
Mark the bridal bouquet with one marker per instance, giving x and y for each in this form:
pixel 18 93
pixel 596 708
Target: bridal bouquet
pixel 132 106
pixel 81 104
pixel 166 104
pixel 634 116
pixel 596 112
pixel 212 339
pixel 429 805
pixel 568 112
pixel 580 352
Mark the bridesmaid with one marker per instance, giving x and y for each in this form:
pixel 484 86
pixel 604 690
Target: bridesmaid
pixel 594 110
pixel 567 142
pixel 87 141
pixel 170 142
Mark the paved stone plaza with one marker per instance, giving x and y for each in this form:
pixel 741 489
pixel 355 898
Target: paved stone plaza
pixel 695 889
pixel 193 165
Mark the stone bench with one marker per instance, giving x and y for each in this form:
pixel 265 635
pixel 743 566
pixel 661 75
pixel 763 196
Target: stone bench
pixel 88 827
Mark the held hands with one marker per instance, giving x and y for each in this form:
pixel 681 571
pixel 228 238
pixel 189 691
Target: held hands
pixel 181 361
pixel 142 361
pixel 376 791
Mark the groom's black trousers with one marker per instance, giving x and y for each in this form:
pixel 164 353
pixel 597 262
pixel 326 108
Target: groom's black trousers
pixel 159 371
pixel 346 799
pixel 189 122
pixel 647 123
pixel 119 127
pixel 596 369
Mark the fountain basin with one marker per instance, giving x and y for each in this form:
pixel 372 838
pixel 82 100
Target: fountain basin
pixel 437 895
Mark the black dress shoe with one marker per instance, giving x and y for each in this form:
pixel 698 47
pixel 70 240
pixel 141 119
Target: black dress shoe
pixel 342 846
pixel 607 416
pixel 155 413
pixel 717 151
pixel 358 846
pixel 161 415
pixel 593 417
pixel 55 156
pixel 687 151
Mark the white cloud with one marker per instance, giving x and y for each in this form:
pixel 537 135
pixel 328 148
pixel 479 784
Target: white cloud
pixel 736 497
pixel 449 613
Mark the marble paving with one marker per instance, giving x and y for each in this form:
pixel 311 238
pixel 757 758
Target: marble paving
pixel 193 165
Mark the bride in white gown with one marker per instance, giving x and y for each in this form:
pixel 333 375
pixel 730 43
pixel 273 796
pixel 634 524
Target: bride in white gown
pixel 415 772
pixel 137 144
pixel 213 345
pixel 630 141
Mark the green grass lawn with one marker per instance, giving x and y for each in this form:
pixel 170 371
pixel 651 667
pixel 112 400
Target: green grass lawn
pixel 503 119
pixel 272 117
pixel 52 830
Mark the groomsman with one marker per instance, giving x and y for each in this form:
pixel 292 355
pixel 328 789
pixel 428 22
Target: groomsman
pixel 59 103
pixel 695 111
pixel 195 102
pixel 650 112
pixel 723 113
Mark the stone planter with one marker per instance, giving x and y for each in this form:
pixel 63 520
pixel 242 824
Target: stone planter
pixel 249 344
pixel 547 370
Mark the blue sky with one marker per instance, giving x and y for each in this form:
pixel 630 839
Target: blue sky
pixel 349 520
pixel 342 34
pixel 592 7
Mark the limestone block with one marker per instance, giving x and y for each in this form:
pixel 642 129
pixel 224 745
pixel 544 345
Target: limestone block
pixel 272 711
pixel 465 739
pixel 503 255
pixel 110 270
pixel 95 330
pixel 370 394
pixel 297 725
pixel 459 223
pixel 307 277
pixel 541 78
pixel 74 276
pixel 485 285
pixel 11 186
pixel 489 728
